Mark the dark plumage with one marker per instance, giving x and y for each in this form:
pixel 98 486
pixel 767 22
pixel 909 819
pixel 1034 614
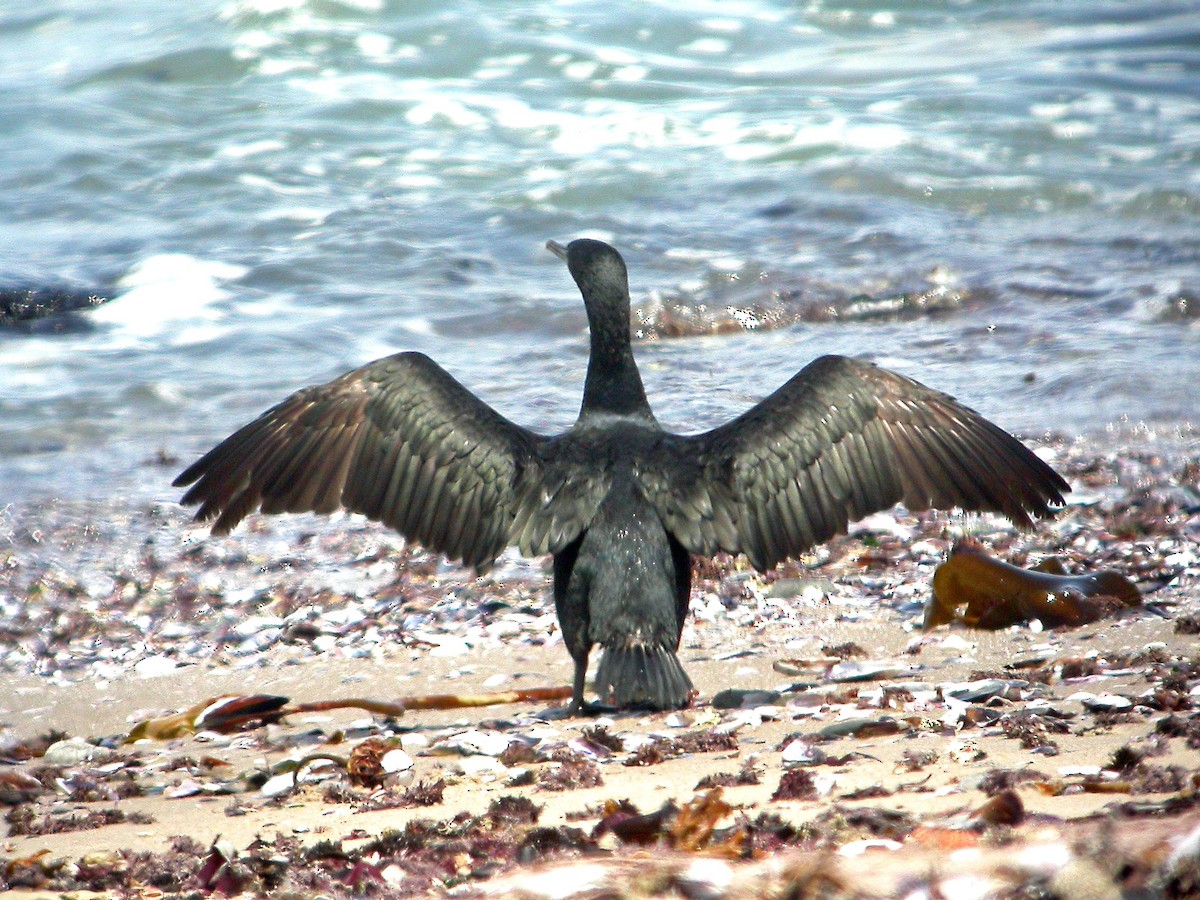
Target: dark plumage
pixel 619 502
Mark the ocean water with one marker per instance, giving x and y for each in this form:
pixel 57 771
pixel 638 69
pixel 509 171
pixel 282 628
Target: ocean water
pixel 274 191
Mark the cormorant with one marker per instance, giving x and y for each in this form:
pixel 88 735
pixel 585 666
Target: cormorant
pixel 619 502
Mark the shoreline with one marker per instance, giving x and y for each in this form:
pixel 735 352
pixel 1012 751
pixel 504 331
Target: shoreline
pixel 126 613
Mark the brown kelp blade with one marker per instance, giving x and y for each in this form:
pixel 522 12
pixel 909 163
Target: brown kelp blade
pixel 996 594
pixel 238 713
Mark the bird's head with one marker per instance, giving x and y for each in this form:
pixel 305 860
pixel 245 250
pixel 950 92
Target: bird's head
pixel 596 267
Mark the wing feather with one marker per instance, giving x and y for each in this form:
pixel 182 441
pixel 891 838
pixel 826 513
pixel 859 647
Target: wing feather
pixel 400 441
pixel 840 440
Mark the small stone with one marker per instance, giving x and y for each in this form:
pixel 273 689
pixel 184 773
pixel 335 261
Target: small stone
pixel 278 785
pixel 155 666
pixel 69 752
pixel 189 788
pixel 736 698
pixel 475 742
pixel 1103 702
pixel 853 670
pixel 963 751
pixel 396 761
pixel 802 753
pixel 413 742
pixel 479 765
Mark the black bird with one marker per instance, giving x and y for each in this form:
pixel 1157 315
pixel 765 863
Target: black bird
pixel 618 501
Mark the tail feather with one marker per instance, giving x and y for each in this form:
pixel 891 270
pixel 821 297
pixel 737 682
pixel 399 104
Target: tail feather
pixel 642 673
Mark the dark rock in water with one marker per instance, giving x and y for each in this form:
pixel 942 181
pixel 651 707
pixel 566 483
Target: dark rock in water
pixel 46 310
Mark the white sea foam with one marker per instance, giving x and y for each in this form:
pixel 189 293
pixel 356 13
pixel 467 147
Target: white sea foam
pixel 305 215
pixel 725 26
pixel 630 73
pixel 706 46
pixel 375 47
pixel 168 293
pixel 267 184
pixel 253 148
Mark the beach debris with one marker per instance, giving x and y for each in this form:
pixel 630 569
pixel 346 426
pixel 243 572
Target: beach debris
pixel 698 741
pixel 17 787
pixel 1119 703
pixel 861 727
pixel 24 821
pixel 222 872
pixel 691 828
pixel 237 713
pixel 475 742
pixel 796 784
pixel 569 771
pixel 223 715
pixel 997 594
pixel 375 762
pixel 798 666
pixel 71 752
pixel 738 698
pixel 850 671
pixel 748 774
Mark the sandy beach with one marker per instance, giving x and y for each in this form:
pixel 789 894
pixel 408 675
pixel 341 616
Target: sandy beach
pixel 834 749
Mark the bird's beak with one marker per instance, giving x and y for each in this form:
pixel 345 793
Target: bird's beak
pixel 557 249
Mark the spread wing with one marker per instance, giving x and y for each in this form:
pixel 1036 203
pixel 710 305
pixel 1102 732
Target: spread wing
pixel 402 442
pixel 840 440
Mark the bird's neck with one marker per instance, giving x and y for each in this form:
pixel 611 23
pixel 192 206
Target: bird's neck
pixel 614 385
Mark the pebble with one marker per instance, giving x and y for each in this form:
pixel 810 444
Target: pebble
pixel 278 785
pixel 475 742
pixel 479 765
pixel 978 691
pixel 1103 702
pixel 737 698
pixel 802 753
pixel 395 761
pixel 413 742
pixel 853 670
pixel 69 752
pixel 965 751
pixel 155 666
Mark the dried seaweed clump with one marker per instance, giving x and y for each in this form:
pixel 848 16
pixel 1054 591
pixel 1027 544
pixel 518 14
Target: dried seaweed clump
pixel 795 784
pixel 1188 624
pixel 1032 732
pixel 573 771
pixel 997 781
pixel 746 775
pixel 843 824
pixel 1180 726
pixel 512 810
pixel 22 820
pixel 691 828
pixel 467 848
pixel 704 741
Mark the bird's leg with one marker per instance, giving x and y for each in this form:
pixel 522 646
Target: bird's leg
pixel 577 704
